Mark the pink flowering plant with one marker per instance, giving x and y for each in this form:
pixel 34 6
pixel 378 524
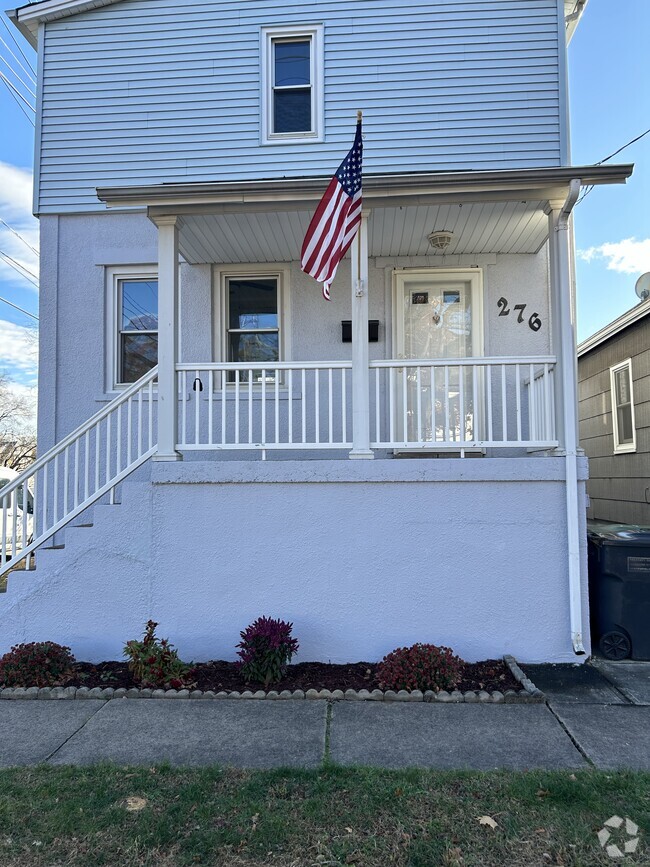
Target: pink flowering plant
pixel 154 662
pixel 265 650
pixel 41 663
pixel 421 666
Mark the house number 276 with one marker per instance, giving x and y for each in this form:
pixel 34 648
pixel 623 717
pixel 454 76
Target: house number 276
pixel 534 322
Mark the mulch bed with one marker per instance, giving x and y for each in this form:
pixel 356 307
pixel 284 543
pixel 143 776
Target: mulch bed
pixel 492 674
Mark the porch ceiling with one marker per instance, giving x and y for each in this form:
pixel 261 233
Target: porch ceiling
pixel 479 227
pixel 266 220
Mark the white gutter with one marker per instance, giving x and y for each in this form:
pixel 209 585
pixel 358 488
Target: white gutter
pixel 570 415
pixel 573 19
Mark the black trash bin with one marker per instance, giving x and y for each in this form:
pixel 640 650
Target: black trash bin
pixel 619 589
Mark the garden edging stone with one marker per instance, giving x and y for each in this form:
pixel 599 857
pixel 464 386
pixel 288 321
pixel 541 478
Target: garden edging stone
pixel 528 694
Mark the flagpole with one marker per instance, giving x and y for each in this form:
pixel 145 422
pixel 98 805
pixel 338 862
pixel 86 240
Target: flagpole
pixel 360 350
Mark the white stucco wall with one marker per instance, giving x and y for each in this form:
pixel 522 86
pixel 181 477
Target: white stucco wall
pixel 361 556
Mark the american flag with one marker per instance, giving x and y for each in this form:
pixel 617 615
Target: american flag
pixel 336 221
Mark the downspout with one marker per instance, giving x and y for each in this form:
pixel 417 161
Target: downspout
pixel 570 419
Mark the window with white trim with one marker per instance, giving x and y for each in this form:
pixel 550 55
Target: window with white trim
pixel 292 83
pixel 133 324
pixel 623 407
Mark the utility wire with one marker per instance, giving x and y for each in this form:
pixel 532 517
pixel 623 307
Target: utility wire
pixel 17 44
pixel 623 148
pixel 20 268
pixel 15 89
pixel 18 235
pixel 28 72
pixel 28 87
pixel 16 307
pixel 600 162
pixel 11 89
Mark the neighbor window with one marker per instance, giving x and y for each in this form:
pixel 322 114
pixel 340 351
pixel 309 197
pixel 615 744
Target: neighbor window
pixel 253 324
pixel 292 82
pixel 137 327
pixel 623 407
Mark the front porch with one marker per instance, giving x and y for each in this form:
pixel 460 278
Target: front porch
pixel 452 376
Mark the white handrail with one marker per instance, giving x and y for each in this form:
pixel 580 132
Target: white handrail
pixel 76 472
pixel 464 362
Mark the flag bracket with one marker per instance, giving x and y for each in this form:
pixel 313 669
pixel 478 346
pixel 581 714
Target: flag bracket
pixel 360 288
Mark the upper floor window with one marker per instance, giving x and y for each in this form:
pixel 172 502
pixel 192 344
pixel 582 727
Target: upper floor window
pixel 623 407
pixel 292 82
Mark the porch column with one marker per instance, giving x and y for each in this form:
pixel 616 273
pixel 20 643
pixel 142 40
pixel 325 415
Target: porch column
pixel 167 338
pixel 566 392
pixel 360 357
pixel 563 318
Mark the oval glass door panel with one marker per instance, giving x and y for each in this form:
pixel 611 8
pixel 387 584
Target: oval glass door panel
pixel 438 402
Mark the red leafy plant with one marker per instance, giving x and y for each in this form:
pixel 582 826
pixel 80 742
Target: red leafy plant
pixel 41 663
pixel 421 666
pixel 265 650
pixel 154 662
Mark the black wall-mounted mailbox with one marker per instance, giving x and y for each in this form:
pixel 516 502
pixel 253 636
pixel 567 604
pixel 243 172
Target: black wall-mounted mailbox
pixel 373 331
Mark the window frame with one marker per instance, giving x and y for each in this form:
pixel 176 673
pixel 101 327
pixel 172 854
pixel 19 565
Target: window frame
pixel 620 447
pixel 270 35
pixel 114 276
pixel 221 320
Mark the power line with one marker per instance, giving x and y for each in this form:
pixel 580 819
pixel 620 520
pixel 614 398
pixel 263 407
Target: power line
pixel 19 269
pixel 27 87
pixel 24 267
pixel 623 148
pixel 15 89
pixel 16 307
pixel 18 235
pixel 28 72
pixel 16 43
pixel 600 162
pixel 16 100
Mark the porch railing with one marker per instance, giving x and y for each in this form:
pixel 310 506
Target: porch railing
pixel 459 404
pixel 442 405
pixel 284 405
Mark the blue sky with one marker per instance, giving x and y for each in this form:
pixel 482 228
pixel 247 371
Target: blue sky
pixel 610 102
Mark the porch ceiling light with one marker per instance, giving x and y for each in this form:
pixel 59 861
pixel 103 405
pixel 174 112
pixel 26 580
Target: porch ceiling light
pixel 440 239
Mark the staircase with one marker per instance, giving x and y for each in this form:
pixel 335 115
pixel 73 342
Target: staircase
pixel 77 472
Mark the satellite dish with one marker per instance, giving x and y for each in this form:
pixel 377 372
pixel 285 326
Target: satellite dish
pixel 642 287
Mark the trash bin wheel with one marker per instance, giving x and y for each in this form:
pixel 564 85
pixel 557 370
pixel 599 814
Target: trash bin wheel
pixel 615 645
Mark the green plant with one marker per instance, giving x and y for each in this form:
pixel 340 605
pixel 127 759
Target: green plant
pixel 421 666
pixel 41 663
pixel 265 650
pixel 154 662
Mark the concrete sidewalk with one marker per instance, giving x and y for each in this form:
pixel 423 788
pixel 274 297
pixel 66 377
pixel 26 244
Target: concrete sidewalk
pixel 595 715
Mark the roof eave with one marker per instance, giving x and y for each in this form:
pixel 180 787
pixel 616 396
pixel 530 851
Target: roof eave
pixel 28 17
pixel 531 184
pixel 613 328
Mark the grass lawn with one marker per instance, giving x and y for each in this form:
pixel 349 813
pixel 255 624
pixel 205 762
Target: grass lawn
pixel 166 817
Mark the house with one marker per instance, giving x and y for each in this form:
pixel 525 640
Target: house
pixel 614 393
pixel 218 442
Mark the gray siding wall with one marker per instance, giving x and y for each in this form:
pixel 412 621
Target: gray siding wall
pixel 619 484
pixel 147 92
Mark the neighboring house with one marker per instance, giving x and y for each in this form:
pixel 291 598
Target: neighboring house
pixel 614 390
pixel 205 133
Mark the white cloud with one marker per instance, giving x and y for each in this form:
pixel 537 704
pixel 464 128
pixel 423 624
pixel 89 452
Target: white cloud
pixel 628 256
pixel 18 351
pixel 16 210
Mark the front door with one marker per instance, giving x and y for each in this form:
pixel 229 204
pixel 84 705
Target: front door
pixel 439 318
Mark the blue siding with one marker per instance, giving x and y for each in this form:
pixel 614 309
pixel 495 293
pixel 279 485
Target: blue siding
pixel 146 91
